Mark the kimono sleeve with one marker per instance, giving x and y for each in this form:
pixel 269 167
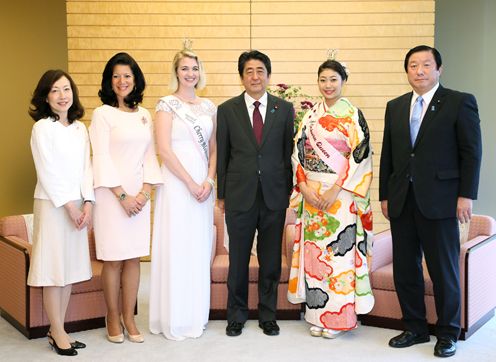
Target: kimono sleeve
pixel 358 174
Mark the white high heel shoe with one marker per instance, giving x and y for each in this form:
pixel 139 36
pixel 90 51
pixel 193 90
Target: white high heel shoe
pixel 114 339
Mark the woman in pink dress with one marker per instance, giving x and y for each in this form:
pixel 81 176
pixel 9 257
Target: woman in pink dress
pixel 125 169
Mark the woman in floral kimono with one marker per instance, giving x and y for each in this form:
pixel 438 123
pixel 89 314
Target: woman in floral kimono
pixel 332 162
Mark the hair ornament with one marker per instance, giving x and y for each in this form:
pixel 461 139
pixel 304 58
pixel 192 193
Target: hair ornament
pixel 187 44
pixel 331 55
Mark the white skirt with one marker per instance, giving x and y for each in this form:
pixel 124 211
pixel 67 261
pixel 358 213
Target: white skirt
pixel 60 254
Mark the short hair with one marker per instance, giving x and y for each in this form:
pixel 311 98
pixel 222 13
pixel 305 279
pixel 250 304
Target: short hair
pixel 253 54
pixel 186 53
pixel 40 108
pixel 333 65
pixel 424 48
pixel 107 94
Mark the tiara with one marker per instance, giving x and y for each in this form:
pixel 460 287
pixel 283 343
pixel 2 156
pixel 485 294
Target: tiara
pixel 187 44
pixel 331 55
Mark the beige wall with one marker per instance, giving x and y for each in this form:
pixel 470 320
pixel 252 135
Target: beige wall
pixel 33 38
pixel 372 38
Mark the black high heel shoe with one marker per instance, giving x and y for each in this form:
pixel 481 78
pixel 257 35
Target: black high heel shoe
pixel 61 351
pixel 75 344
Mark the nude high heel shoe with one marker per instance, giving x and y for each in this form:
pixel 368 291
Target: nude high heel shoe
pixel 114 339
pixel 135 338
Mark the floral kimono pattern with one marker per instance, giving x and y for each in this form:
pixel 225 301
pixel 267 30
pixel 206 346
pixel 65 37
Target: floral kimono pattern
pixel 337 241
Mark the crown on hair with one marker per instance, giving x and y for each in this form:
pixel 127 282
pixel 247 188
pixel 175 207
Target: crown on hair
pixel 187 44
pixel 331 55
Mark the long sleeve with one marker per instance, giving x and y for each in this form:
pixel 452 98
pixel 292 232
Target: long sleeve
pixel 104 171
pixel 151 168
pixel 49 173
pixel 223 151
pixel 358 174
pixel 470 147
pixel 87 181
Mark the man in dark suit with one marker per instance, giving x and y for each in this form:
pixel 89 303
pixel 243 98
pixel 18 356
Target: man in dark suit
pixel 429 175
pixel 254 146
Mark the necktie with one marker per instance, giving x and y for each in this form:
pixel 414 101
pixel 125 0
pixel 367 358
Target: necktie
pixel 257 122
pixel 415 119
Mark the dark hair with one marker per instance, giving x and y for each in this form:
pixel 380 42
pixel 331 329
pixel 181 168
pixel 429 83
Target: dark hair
pixel 107 94
pixel 39 106
pixel 424 48
pixel 253 54
pixel 334 65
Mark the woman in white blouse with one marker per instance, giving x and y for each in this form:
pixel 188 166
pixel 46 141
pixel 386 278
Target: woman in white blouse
pixel 63 200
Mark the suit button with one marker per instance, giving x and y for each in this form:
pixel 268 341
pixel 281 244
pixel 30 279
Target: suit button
pixel 259 156
pixel 259 172
pixel 412 154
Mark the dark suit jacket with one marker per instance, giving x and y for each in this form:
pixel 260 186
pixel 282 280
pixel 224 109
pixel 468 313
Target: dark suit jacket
pixel 241 161
pixel 444 163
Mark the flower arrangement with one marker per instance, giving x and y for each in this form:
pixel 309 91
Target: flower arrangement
pixel 301 102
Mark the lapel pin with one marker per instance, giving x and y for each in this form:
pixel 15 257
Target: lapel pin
pixel 143 120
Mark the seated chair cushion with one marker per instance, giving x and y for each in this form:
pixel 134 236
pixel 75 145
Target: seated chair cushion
pixel 221 264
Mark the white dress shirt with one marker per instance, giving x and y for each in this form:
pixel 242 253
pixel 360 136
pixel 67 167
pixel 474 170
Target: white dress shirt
pixel 61 156
pixel 262 107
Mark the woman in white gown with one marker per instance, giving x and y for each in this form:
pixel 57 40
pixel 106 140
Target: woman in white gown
pixel 182 234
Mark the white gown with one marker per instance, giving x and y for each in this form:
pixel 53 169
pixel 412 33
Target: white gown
pixel 182 238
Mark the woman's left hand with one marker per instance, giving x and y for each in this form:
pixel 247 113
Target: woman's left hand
pixel 87 217
pixel 328 198
pixel 205 193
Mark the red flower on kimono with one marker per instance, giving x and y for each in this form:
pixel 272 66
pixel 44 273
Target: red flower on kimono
pixel 315 267
pixel 367 220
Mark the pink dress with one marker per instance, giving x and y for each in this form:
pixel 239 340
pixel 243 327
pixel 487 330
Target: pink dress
pixel 123 155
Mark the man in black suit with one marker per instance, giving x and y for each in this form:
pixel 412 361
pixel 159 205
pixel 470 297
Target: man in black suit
pixel 254 145
pixel 429 175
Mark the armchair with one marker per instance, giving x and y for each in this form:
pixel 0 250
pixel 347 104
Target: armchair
pixel 22 305
pixel 220 264
pixel 477 279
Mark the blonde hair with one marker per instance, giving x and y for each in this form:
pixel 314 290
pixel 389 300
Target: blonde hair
pixel 186 53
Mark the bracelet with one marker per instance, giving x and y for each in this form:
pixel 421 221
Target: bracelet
pixel 145 194
pixel 211 182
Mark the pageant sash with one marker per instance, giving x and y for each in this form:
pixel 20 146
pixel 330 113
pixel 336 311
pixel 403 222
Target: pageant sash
pixel 327 153
pixel 192 122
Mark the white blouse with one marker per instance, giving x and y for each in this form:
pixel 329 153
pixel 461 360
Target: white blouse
pixel 61 156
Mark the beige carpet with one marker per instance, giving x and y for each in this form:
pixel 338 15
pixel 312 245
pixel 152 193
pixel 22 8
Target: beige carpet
pixel 294 344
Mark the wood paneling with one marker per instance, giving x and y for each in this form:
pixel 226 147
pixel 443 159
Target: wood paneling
pixel 372 38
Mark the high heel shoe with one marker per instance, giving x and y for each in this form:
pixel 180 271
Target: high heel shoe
pixel 114 339
pixel 75 344
pixel 61 351
pixel 135 338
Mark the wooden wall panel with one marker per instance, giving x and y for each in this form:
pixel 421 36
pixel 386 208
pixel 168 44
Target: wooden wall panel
pixel 372 38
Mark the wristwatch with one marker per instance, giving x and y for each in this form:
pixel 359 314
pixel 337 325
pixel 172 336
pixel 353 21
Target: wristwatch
pixel 122 196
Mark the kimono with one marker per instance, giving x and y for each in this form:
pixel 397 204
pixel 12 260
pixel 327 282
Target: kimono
pixel 331 274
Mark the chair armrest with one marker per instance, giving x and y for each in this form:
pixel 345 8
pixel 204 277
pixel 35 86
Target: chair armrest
pixel 478 277
pixel 382 250
pixel 14 266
